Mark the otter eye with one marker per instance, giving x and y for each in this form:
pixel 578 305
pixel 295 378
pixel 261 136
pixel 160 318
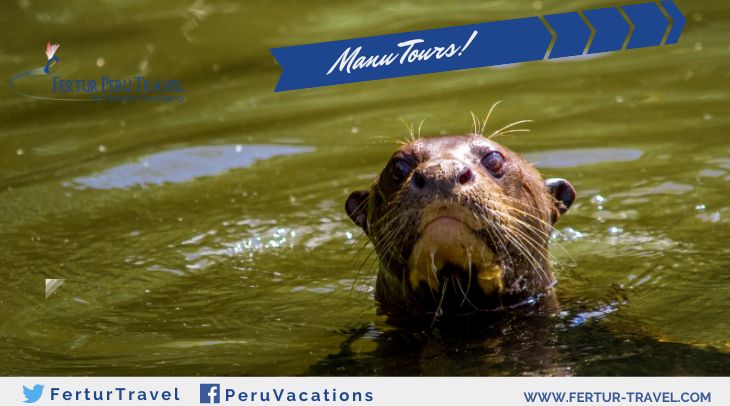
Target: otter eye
pixel 493 161
pixel 400 169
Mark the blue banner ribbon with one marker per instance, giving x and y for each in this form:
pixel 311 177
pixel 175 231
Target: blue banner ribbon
pixel 478 45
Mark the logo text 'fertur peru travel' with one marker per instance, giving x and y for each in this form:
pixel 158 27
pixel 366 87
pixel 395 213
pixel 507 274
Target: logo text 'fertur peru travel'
pixel 125 90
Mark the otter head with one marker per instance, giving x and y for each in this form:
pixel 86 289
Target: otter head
pixel 459 223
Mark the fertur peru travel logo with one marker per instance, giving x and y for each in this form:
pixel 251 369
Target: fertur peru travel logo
pixel 104 88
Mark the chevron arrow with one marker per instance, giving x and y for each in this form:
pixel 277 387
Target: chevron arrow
pixel 678 22
pixel 610 29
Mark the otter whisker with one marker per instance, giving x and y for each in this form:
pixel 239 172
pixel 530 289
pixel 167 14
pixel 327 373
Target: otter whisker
pixel 389 224
pixel 521 245
pixel 537 242
pixel 510 126
pixel 550 228
pixel 521 249
pixel 527 239
pixel 419 128
pixel 388 243
pixel 362 264
pixel 464 293
pixel 486 119
pixel 439 310
pixel 491 225
pixel 408 127
pixel 362 241
pixel 517 130
pixel 394 140
pixel 523 241
pixel 434 271
pixel 469 266
pixel 526 242
pixel 474 123
pixel 529 227
pixel 541 221
pixel 391 243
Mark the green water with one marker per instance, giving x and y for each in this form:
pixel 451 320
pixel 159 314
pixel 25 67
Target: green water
pixel 209 237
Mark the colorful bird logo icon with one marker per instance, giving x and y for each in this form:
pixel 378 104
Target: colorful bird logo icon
pixel 51 54
pixel 51 49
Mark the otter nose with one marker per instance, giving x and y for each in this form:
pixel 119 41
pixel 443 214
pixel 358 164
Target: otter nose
pixel 442 175
pixel 466 176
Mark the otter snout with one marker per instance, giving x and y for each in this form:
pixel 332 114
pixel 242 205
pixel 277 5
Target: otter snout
pixel 448 246
pixel 442 177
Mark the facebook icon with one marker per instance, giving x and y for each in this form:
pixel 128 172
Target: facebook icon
pixel 210 393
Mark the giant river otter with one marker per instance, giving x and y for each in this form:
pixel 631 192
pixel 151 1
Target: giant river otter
pixel 460 224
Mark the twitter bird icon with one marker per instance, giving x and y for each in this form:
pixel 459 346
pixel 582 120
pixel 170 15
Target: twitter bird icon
pixel 32 395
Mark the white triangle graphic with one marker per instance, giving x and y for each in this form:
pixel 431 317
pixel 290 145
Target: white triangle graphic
pixel 52 285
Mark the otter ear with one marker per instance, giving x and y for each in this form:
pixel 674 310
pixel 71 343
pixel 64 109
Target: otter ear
pixel 356 207
pixel 562 191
